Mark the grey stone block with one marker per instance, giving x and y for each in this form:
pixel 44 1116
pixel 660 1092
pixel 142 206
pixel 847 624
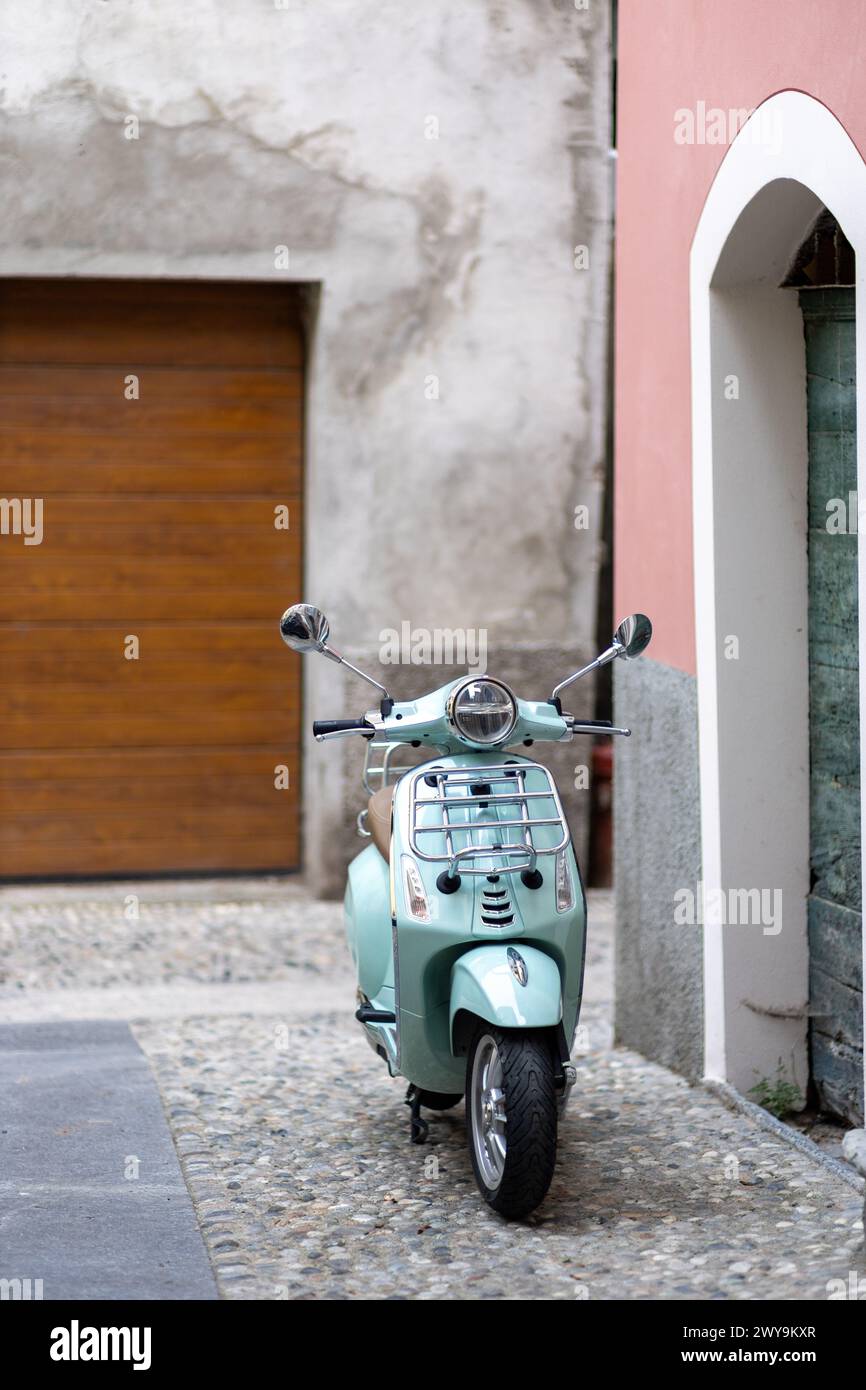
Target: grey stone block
pixel 657 850
pixel 854 1149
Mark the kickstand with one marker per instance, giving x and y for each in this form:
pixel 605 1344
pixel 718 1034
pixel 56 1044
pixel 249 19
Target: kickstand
pixel 420 1128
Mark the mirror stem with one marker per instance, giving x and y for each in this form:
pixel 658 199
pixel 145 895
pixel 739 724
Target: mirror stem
pixel 341 661
pixel 606 657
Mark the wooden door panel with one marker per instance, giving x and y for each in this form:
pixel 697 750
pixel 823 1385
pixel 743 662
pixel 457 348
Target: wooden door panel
pixel 192 414
pixel 168 854
pixel 149 605
pixel 88 385
pixel 35 571
pixel 33 479
pixel 185 654
pixel 195 791
pixel 158 521
pixel 66 769
pixel 162 324
pixel 185 538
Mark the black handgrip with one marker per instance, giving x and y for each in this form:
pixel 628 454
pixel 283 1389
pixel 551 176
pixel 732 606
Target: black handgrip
pixel 334 726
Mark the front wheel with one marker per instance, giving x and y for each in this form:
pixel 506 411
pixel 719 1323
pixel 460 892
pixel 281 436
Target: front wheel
pixel 511 1116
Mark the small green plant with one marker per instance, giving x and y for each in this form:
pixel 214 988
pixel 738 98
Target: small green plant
pixel 777 1094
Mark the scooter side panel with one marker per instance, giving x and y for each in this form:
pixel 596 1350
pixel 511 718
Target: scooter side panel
pixel 483 983
pixel 368 922
pixel 425 1052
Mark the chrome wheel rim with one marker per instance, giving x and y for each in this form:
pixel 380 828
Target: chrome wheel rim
pixel 488 1112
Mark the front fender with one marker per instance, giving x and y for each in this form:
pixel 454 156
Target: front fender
pixel 483 983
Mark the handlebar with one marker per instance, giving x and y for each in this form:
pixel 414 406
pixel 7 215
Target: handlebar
pixel 329 728
pixel 341 728
pixel 594 726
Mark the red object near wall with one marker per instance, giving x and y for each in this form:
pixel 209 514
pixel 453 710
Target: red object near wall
pixel 601 824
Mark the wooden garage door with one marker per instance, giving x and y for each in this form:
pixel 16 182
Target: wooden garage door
pixel 159 524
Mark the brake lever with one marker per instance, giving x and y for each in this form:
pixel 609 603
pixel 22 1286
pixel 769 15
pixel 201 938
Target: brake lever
pixel 343 733
pixel 594 726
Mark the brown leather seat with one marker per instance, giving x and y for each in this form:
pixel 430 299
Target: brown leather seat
pixel 379 819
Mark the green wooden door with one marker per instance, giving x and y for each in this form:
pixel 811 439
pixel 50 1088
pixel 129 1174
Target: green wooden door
pixel 835 902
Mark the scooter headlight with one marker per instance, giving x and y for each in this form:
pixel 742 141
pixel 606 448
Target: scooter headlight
pixel 483 710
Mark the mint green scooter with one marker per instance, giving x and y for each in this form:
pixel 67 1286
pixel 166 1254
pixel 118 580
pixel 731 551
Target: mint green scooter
pixel 465 915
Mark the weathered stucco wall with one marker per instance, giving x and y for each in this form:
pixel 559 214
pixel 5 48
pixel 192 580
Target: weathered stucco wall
pixel 447 504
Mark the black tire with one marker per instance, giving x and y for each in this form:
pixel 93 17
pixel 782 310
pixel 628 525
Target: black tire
pixel 513 1176
pixel 437 1100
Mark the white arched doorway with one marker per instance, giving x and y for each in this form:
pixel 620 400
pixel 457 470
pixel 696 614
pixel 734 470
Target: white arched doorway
pixel 749 509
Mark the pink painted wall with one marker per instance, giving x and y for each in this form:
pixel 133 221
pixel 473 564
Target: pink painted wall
pixel 673 54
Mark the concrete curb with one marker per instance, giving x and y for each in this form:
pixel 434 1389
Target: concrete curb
pixel 293 999
pixel 732 1100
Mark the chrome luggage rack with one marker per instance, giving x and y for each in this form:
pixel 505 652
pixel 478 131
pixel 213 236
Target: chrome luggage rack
pixel 447 791
pixel 374 777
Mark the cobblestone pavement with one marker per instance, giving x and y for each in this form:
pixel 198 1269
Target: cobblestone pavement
pixel 294 1141
pixel 211 931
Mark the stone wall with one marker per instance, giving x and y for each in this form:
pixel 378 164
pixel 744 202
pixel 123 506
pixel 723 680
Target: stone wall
pixel 657 851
